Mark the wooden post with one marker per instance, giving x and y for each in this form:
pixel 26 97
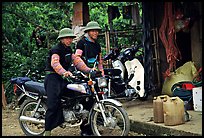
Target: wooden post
pixel 107 39
pixel 80 14
pixel 4 103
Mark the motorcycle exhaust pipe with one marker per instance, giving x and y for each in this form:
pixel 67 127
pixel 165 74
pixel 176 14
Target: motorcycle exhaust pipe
pixel 33 120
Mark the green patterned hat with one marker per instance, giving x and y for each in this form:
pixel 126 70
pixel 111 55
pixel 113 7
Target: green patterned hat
pixel 92 26
pixel 66 32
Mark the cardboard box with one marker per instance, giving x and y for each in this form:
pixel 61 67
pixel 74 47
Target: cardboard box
pixel 197 99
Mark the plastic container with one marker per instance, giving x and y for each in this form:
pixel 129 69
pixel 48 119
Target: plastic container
pixel 197 99
pixel 158 108
pixel 173 111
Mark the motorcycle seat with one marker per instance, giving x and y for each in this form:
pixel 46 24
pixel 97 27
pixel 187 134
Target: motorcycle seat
pixel 112 72
pixel 35 87
pixel 19 80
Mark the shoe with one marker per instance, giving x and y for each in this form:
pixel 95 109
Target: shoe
pixel 47 133
pixel 186 116
pixel 62 125
pixel 86 134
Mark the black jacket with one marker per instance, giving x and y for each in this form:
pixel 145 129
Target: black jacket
pixel 62 51
pixel 90 49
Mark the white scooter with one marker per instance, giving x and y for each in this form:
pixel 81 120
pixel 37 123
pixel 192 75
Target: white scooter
pixel 126 78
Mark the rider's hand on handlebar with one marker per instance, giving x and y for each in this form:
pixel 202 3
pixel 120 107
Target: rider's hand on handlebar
pixel 68 74
pixel 93 69
pixel 102 72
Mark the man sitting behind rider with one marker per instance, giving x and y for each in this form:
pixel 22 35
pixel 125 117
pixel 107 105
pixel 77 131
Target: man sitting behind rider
pixel 87 52
pixel 88 49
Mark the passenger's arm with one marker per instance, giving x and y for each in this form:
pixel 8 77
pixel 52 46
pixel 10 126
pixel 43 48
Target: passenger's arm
pixel 100 64
pixel 79 63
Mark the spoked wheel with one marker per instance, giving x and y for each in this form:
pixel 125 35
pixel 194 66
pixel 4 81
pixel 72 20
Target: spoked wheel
pixel 32 124
pixel 118 123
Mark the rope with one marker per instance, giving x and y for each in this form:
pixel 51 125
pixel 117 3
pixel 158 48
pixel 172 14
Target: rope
pixel 168 37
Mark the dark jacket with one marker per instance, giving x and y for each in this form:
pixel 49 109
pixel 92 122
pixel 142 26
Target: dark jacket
pixel 62 51
pixel 90 49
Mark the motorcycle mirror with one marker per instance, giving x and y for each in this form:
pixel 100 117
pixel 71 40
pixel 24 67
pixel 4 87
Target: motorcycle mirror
pixel 108 56
pixel 27 72
pixel 135 48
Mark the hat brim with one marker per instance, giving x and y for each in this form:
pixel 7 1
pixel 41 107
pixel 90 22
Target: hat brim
pixel 92 28
pixel 62 36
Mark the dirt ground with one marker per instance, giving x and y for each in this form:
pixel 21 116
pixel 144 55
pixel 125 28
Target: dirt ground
pixel 11 127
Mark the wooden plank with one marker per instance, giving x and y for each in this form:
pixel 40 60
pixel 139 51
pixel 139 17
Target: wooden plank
pixel 78 14
pixel 4 103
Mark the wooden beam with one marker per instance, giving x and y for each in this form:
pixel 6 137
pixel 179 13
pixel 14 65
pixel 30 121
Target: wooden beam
pixel 80 14
pixel 4 103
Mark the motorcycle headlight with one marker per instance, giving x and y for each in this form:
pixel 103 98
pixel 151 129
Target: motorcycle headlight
pixel 102 82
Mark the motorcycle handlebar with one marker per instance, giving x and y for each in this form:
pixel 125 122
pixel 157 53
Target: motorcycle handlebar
pixel 80 75
pixel 106 57
pixel 112 54
pixel 94 73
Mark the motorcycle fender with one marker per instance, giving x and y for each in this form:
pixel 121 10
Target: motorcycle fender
pixel 96 108
pixel 113 101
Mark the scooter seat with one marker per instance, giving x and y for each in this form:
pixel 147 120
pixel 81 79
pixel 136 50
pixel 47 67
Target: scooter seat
pixel 112 72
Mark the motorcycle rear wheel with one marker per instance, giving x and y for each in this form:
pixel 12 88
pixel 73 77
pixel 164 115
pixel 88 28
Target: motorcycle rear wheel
pixel 27 109
pixel 119 124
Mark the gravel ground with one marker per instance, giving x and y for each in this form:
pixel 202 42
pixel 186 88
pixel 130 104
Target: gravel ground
pixel 10 126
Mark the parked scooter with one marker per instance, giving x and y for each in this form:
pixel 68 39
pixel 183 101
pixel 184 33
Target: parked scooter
pixel 107 116
pixel 126 78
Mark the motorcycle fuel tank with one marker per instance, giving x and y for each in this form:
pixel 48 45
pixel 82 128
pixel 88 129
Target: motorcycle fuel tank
pixel 83 88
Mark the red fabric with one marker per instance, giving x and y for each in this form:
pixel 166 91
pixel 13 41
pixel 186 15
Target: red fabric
pixel 188 86
pixel 15 88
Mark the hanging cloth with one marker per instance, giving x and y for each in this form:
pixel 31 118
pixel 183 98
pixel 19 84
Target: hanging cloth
pixel 127 12
pixel 113 12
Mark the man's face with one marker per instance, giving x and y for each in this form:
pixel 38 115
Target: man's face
pixel 67 40
pixel 93 34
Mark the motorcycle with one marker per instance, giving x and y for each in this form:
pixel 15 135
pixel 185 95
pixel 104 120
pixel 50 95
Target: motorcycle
pixel 106 116
pixel 126 78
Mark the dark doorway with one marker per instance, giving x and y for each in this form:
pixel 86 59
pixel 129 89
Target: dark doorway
pixel 183 40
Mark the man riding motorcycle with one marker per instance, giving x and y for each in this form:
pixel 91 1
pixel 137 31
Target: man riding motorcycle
pixel 57 66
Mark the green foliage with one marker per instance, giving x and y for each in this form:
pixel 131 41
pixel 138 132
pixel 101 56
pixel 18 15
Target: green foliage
pixel 98 12
pixel 19 51
pixel 19 19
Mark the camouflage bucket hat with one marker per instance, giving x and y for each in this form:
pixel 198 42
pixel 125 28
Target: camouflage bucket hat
pixel 66 32
pixel 92 26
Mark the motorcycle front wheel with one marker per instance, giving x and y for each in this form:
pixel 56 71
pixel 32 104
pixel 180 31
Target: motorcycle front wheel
pixel 31 121
pixel 117 118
